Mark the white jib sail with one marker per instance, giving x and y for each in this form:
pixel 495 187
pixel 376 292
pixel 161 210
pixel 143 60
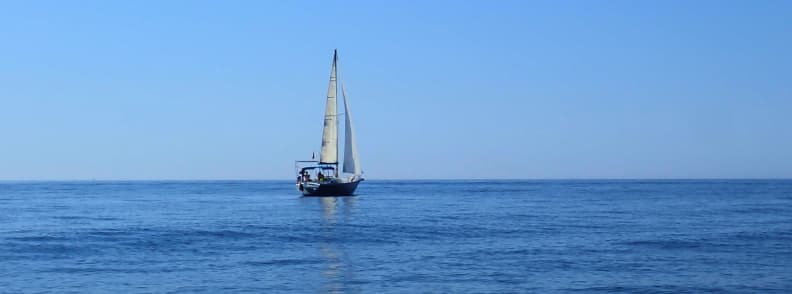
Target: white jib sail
pixel 329 152
pixel 351 162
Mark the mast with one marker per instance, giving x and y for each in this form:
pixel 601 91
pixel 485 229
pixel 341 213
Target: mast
pixel 329 153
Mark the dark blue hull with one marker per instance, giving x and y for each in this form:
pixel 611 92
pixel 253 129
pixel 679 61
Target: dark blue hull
pixel 329 189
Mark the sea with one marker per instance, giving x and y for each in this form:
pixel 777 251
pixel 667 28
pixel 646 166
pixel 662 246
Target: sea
pixel 454 236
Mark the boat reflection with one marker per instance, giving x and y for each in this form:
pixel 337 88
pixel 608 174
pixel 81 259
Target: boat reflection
pixel 338 271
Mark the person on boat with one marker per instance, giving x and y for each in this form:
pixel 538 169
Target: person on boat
pixel 320 176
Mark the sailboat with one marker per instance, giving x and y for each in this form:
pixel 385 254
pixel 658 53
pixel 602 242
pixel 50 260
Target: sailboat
pixel 322 177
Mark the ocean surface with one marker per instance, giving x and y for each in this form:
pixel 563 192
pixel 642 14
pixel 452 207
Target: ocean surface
pixel 720 236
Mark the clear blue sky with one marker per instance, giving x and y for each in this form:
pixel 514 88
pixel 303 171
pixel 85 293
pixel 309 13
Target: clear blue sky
pixel 439 89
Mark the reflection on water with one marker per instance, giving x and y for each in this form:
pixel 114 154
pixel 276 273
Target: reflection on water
pixel 328 205
pixel 338 271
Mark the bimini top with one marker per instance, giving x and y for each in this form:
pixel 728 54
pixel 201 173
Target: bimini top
pixel 315 167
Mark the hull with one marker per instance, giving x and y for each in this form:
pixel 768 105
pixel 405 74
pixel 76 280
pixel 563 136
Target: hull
pixel 329 189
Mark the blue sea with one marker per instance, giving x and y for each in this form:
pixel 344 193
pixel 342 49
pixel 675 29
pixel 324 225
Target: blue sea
pixel 581 236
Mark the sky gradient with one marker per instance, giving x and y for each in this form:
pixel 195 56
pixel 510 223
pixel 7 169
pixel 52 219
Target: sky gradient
pixel 439 89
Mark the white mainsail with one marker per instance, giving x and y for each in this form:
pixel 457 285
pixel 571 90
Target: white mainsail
pixel 329 152
pixel 351 163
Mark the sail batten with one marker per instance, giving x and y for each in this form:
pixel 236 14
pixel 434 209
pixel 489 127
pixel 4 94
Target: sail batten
pixel 329 153
pixel 351 162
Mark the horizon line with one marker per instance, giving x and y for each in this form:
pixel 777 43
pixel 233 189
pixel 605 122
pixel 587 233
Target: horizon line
pixel 404 179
